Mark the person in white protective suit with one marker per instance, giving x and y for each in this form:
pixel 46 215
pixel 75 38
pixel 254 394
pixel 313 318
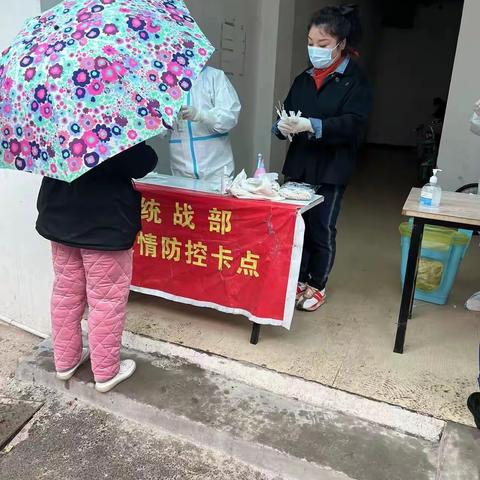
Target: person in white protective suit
pixel 473 303
pixel 200 145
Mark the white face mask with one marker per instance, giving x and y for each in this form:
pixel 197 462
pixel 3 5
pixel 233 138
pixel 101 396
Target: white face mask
pixel 322 57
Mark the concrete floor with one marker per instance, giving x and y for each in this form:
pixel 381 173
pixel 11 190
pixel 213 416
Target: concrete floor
pixel 69 441
pixel 348 343
pixel 14 344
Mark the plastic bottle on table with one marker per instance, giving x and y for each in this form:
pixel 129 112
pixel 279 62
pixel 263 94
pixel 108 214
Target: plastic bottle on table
pixel 260 171
pixel 431 195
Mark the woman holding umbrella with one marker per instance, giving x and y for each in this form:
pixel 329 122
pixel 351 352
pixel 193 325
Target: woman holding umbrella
pixel 334 98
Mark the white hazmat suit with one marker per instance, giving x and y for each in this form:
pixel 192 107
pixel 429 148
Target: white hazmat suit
pixel 200 147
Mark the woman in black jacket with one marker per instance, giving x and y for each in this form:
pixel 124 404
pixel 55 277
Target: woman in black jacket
pixel 92 224
pixel 335 100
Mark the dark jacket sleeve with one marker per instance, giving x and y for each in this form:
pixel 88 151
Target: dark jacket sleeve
pixel 350 126
pixel 136 162
pixel 277 132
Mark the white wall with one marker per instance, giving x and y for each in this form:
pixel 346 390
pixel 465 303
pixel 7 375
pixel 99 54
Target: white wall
pixel 413 66
pixel 25 267
pixel 460 149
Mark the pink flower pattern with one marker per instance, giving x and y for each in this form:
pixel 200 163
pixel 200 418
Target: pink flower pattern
pixel 107 79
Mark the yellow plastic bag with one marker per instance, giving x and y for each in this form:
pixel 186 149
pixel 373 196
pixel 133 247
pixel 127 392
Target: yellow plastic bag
pixel 437 238
pixel 430 273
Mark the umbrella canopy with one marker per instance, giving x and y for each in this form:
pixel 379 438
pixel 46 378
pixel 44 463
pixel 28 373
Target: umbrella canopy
pixel 91 78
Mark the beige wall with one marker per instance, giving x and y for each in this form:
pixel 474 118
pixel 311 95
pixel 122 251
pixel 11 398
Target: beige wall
pixel 460 149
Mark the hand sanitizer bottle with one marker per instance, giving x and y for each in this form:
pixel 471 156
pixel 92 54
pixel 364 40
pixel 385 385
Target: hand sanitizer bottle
pixel 431 195
pixel 260 171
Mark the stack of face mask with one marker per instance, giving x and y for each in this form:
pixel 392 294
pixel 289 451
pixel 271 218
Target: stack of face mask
pixel 264 188
pixel 297 191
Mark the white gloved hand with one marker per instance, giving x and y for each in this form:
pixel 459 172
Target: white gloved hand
pixel 300 125
pixel 190 113
pixel 285 127
pixel 193 114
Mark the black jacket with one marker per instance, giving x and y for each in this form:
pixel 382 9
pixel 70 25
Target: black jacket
pixel 343 104
pixel 101 209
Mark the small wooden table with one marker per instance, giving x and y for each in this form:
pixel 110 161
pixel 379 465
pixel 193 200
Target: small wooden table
pixel 457 210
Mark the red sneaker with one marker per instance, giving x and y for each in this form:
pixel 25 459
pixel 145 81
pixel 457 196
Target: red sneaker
pixel 312 299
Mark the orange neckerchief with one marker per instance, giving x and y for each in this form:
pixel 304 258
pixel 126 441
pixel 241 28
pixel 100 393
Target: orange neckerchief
pixel 321 74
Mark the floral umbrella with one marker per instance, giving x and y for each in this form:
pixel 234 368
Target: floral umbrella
pixel 91 78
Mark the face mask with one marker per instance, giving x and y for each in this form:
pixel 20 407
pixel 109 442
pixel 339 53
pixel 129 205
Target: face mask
pixel 321 57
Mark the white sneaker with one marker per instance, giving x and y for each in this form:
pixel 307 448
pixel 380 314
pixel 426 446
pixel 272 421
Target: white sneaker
pixel 473 303
pixel 127 369
pixel 70 373
pixel 312 299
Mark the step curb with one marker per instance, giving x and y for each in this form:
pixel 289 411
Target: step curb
pixel 313 393
pixel 258 456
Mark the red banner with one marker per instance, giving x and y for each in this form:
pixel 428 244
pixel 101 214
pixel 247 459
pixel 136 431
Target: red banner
pixel 239 256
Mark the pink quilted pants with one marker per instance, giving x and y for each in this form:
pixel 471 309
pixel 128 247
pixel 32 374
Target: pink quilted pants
pixel 101 280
